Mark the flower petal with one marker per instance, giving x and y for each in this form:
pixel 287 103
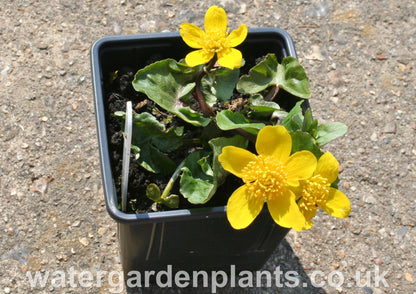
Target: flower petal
pixel 285 211
pixel 274 141
pixel 300 166
pixel 191 35
pixel 230 58
pixel 243 209
pixel 234 159
pixel 297 190
pixel 337 204
pixel 307 225
pixel 327 167
pixel 308 214
pixel 236 37
pixel 215 20
pixel 198 57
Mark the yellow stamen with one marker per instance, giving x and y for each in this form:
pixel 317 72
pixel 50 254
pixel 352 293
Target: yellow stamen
pixel 215 41
pixel 316 190
pixel 265 178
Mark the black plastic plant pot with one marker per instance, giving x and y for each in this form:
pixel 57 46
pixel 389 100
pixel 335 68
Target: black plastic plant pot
pixel 187 239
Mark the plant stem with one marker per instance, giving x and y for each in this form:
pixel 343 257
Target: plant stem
pixel 206 109
pixel 172 180
pixel 273 93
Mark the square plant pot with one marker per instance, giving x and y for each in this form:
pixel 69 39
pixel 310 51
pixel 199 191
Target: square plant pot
pixel 188 239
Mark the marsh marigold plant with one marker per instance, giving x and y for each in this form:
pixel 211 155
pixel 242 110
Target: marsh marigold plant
pixel 230 110
pixel 215 41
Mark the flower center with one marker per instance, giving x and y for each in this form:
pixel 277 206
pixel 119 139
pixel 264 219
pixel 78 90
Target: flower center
pixel 265 177
pixel 316 190
pixel 215 41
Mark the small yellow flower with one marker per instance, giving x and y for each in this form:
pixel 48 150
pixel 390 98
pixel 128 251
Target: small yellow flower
pixel 317 192
pixel 214 40
pixel 269 177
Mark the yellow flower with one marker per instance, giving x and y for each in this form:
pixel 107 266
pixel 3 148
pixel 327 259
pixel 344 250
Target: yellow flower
pixel 269 177
pixel 317 192
pixel 214 40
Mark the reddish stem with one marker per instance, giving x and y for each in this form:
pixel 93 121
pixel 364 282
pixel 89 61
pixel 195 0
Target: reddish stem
pixel 273 93
pixel 206 109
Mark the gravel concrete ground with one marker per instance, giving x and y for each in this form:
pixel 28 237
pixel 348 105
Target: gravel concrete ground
pixel 359 56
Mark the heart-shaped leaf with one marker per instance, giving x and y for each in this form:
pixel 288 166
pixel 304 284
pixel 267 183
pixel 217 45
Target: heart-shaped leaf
pixel 150 142
pixel 169 83
pixel 289 75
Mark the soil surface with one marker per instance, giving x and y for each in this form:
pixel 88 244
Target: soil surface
pixel 359 56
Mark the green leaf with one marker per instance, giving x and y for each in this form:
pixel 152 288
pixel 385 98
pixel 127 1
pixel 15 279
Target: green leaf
pixel 204 163
pixel 153 160
pixel 258 103
pixel 136 150
pixel 219 84
pixel 330 131
pixel 310 125
pixel 313 128
pixel 148 119
pixel 289 75
pixel 150 142
pixel 323 133
pixel 153 193
pixel 146 128
pixel 200 179
pixel 169 140
pixel 169 83
pixel 263 110
pixel 304 141
pixel 216 145
pixel 294 119
pixel 195 184
pixel 260 76
pixel 228 120
pixel 193 117
pixel 307 120
pixel 295 80
pixel 171 201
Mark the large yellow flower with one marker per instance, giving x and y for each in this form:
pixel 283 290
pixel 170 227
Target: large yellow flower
pixel 269 177
pixel 317 192
pixel 214 40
